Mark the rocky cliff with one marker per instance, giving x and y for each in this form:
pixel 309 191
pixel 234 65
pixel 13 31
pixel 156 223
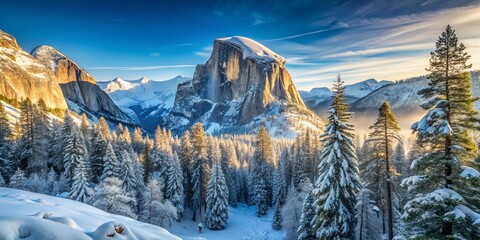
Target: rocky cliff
pixel 22 76
pixel 77 85
pixel 240 83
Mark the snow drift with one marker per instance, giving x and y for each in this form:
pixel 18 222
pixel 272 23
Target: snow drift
pixel 27 215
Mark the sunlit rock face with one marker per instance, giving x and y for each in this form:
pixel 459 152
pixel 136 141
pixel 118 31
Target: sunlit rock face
pixel 23 76
pixel 77 85
pixel 234 72
pixel 241 81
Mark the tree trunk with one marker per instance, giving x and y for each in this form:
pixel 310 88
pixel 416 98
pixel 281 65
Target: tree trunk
pixel 447 227
pixel 389 190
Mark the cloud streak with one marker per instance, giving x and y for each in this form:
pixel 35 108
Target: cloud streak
pixel 142 68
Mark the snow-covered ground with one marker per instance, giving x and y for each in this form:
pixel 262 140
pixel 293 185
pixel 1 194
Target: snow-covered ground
pixel 27 215
pixel 243 224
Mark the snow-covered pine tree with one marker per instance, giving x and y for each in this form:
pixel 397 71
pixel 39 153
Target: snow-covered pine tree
pixel 337 185
pixel 292 209
pixel 186 160
pixel 111 165
pixel 299 164
pixel 201 169
pixel 286 165
pixel 127 173
pixel 400 162
pixel 261 172
pixel 55 147
pixel 85 130
pixel 279 195
pixel 305 230
pixel 52 179
pixel 40 131
pixel 6 144
pixel 175 191
pixel 147 160
pixel 25 143
pixel 229 167
pixel 36 183
pixel 18 180
pixel 108 196
pixel 438 209
pixel 81 190
pixel 74 153
pixel 2 181
pixel 157 210
pixel 385 133
pixel 369 223
pixel 98 149
pixel 279 185
pixel 308 155
pixel 216 216
pixel 277 217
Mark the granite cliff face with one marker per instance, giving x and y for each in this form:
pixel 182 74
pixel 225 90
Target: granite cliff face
pixel 22 76
pixel 241 82
pixel 77 85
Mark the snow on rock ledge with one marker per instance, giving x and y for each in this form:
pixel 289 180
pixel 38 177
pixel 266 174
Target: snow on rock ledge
pixel 27 215
pixel 252 49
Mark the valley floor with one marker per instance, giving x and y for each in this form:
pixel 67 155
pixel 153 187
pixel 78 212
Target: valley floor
pixel 243 224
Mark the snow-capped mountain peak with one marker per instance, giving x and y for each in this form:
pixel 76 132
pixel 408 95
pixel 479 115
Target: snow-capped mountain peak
pixel 144 80
pixel 118 84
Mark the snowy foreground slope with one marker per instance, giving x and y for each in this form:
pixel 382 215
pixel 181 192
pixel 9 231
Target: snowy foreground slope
pixel 243 224
pixel 27 215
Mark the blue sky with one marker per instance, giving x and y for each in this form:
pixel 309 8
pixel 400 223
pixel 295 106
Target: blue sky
pixel 379 39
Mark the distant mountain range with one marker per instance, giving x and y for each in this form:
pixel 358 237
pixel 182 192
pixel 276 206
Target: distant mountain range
pixel 318 99
pixel 147 102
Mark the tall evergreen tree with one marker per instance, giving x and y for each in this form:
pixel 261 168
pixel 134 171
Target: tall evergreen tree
pixel 337 185
pixel 444 130
pixel 98 150
pixel 111 165
pixel 25 144
pixel 6 145
pixel 74 154
pixel 217 199
pixel 186 160
pixel 40 130
pixel 127 174
pixel 175 191
pixel 261 172
pixel 201 169
pixel 385 133
pixel 147 160
pixel 305 230
pixel 81 190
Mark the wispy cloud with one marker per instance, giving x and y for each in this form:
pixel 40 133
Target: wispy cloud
pixel 154 54
pixel 204 52
pixel 371 51
pixel 141 68
pixel 179 45
pixel 301 34
pixel 388 48
pixel 260 19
